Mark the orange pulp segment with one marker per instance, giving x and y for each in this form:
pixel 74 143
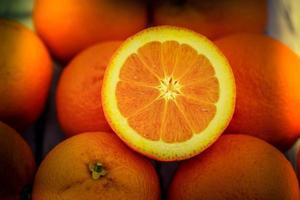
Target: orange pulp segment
pixel 168 93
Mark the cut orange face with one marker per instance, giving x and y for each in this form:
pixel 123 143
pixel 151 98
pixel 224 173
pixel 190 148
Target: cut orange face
pixel 168 93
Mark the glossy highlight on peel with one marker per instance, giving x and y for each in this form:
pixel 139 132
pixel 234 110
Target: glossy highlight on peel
pixel 168 93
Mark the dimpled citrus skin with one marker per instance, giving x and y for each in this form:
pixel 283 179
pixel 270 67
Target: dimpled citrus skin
pixel 69 26
pixel 65 174
pixel 268 84
pixel 25 75
pixel 213 18
pixel 17 164
pixel 239 167
pixel 78 96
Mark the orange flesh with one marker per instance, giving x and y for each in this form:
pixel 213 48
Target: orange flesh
pixel 167 91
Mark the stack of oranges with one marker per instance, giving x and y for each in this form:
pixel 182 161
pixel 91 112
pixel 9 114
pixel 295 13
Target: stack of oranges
pixel 185 81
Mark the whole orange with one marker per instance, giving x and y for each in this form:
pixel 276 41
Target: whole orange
pixel 95 165
pixel 69 26
pixel 78 96
pixel 17 164
pixel 238 167
pixel 213 18
pixel 268 84
pixel 25 75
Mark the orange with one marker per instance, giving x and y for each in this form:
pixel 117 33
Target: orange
pixel 268 85
pixel 78 96
pixel 70 26
pixel 168 93
pixel 17 164
pixel 213 18
pixel 238 167
pixel 95 165
pixel 25 75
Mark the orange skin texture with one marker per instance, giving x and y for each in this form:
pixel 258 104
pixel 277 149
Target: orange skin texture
pixel 239 167
pixel 78 96
pixel 64 174
pixel 25 75
pixel 17 164
pixel 69 26
pixel 213 18
pixel 268 85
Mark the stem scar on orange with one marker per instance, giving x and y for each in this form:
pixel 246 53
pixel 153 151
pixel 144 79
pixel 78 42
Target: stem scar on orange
pixel 88 166
pixel 168 93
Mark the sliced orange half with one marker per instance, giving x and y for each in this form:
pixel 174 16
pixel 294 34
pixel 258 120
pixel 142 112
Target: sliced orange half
pixel 168 93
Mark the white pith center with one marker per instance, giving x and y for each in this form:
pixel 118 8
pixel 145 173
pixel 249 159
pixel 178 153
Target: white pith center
pixel 169 88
